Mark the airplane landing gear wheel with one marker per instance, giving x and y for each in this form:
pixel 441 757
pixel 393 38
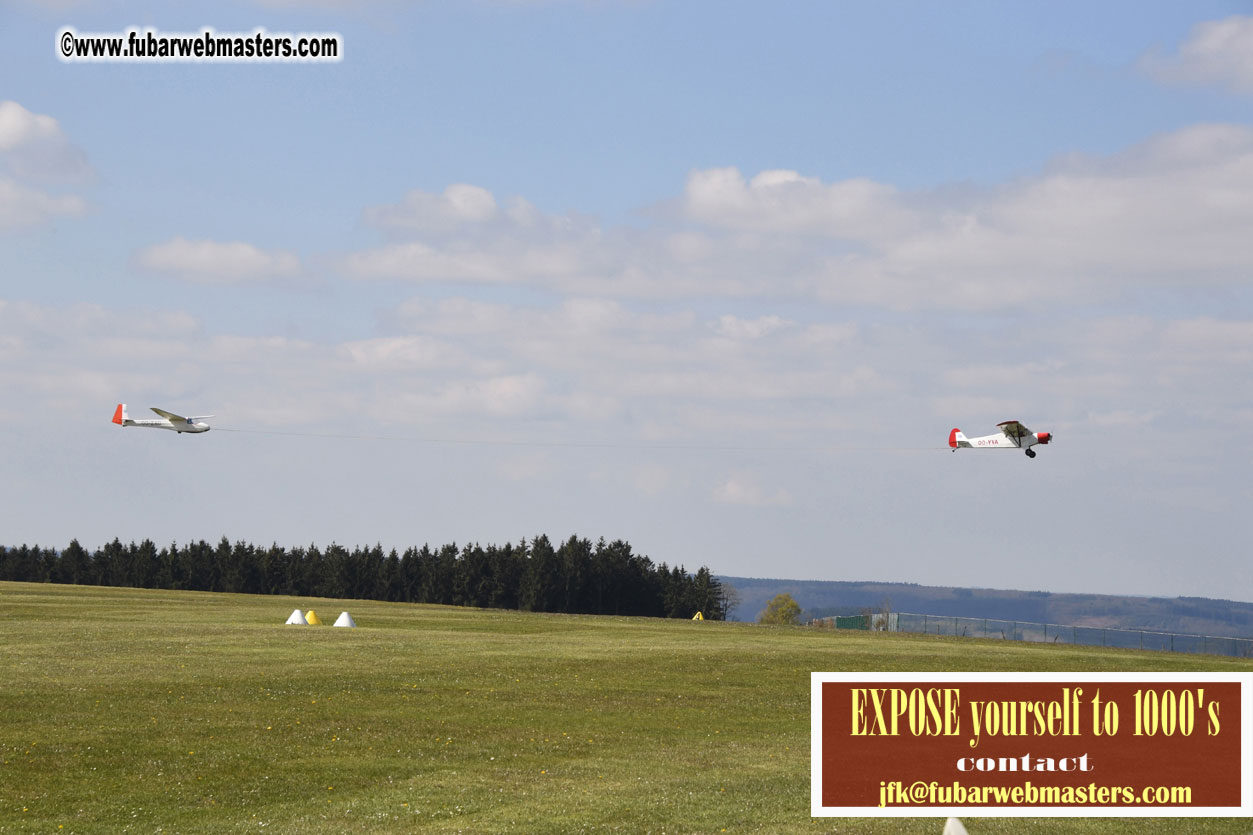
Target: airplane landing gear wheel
pixel 1031 453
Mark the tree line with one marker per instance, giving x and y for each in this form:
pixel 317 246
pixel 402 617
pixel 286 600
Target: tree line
pixel 577 577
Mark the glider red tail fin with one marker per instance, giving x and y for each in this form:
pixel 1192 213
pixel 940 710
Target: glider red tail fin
pixel 119 414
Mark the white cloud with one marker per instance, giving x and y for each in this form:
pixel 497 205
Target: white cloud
pixel 407 353
pixel 421 212
pixel 78 358
pixel 667 375
pixel 420 262
pixel 504 262
pixel 1101 370
pixel 735 327
pixel 743 489
pixel 1121 420
pixel 1221 343
pixel 601 371
pixel 21 206
pixel 784 201
pixel 590 406
pixel 1218 52
pixel 468 212
pixel 1172 211
pixel 213 262
pixel 510 395
pixel 455 316
pixel 1169 212
pixel 92 321
pixel 829 334
pixel 35 148
pixel 19 127
pixel 462 235
pixel 525 465
pixel 236 347
pixel 651 479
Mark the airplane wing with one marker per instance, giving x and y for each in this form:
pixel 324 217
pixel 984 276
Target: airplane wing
pixel 170 416
pixel 1014 429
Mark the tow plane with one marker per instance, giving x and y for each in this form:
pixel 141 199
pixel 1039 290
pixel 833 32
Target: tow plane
pixel 1013 435
pixel 168 420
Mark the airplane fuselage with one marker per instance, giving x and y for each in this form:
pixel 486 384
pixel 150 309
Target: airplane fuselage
pixel 1001 441
pixel 1013 435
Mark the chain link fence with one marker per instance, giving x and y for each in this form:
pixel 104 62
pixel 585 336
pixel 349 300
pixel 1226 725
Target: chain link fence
pixel 1017 630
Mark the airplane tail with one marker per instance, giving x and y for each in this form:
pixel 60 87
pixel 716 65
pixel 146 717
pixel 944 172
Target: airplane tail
pixel 957 438
pixel 119 415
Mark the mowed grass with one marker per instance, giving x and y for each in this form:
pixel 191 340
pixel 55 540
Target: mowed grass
pixel 145 711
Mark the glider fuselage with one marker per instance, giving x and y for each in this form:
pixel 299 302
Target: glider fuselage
pixel 169 420
pixel 166 424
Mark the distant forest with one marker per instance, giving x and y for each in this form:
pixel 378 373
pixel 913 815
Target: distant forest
pixel 824 598
pixel 579 577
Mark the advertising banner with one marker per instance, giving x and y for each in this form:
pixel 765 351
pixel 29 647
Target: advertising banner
pixel 1031 744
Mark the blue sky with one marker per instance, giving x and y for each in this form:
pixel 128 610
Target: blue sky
pixel 722 275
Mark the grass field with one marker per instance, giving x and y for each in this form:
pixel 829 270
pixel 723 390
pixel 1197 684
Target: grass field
pixel 145 711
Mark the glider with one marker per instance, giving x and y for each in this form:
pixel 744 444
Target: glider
pixel 1013 435
pixel 168 420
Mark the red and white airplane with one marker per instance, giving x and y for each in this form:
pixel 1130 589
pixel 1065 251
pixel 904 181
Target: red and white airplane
pixel 1013 435
pixel 169 420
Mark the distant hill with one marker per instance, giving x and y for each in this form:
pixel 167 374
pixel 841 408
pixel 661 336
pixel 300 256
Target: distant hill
pixel 823 598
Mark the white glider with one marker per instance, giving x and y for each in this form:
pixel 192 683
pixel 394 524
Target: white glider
pixel 1013 435
pixel 169 420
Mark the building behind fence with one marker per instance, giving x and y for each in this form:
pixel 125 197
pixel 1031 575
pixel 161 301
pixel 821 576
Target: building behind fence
pixel 1092 636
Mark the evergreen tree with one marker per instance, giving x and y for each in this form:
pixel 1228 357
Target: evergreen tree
pixel 468 576
pixel 163 570
pixel 391 582
pixel 707 595
pixel 28 565
pixel 439 580
pixel 575 560
pixel 75 564
pixel 333 578
pixel 539 586
pixel 108 564
pixel 230 561
pixel 411 567
pixel 48 565
pixel 275 577
pixel 143 564
pixel 505 567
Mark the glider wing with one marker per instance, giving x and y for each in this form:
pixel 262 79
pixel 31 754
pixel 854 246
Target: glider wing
pixel 170 416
